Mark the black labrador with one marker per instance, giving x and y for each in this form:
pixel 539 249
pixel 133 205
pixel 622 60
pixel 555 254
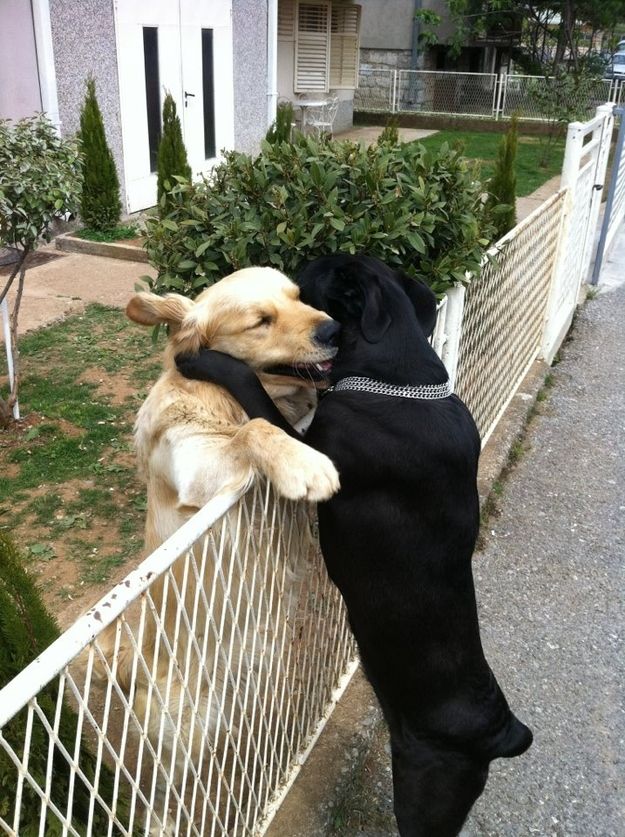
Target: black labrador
pixel 398 537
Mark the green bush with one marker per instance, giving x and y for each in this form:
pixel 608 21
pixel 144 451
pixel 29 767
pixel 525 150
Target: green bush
pixel 410 207
pixel 172 161
pixel 282 128
pixel 100 206
pixel 390 132
pixel 26 629
pixel 502 185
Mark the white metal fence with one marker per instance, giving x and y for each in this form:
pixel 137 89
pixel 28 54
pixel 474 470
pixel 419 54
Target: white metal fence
pixel 185 701
pixel 205 676
pixel 504 314
pixel 475 94
pixel 615 204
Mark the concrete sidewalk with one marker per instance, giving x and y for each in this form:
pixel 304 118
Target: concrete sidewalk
pixel 550 585
pixel 67 283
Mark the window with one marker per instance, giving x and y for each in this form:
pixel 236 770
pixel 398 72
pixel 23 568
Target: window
pixel 208 93
pixel 344 47
pixel 152 91
pixel 326 42
pixel 312 47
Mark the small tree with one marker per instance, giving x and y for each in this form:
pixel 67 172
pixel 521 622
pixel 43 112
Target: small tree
pixel 39 181
pixel 502 185
pixel 172 155
pixel 100 206
pixel 282 128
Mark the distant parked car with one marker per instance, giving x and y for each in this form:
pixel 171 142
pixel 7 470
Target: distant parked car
pixel 618 64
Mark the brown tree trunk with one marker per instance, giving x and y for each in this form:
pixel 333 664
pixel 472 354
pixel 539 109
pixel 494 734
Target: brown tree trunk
pixel 14 334
pixel 18 271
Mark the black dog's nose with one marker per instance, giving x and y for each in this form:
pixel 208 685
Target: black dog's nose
pixel 327 333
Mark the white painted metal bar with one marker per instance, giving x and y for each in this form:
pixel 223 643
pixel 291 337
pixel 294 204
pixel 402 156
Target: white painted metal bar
pixel 30 680
pixel 6 327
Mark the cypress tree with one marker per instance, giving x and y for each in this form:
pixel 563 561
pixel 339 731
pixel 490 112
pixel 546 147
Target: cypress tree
pixel 172 155
pixel 100 207
pixel 502 185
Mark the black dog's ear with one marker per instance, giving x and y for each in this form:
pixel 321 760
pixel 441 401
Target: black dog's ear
pixel 375 319
pixel 423 301
pixel 355 293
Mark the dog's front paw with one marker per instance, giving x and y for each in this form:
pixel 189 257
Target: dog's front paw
pixel 305 474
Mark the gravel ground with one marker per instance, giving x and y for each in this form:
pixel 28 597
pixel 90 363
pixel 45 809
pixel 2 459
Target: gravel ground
pixel 550 585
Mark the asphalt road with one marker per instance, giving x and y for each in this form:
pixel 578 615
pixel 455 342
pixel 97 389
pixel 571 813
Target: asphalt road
pixel 551 589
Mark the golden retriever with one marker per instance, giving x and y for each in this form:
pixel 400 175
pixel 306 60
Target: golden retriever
pixel 194 442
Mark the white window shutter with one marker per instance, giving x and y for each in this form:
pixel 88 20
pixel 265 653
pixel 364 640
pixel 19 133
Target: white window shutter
pixel 286 20
pixel 344 46
pixel 312 47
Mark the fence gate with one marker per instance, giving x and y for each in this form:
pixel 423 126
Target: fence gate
pixel 583 173
pixel 615 205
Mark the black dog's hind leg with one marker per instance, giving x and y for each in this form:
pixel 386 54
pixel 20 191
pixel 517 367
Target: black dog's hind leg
pixel 434 788
pixel 239 380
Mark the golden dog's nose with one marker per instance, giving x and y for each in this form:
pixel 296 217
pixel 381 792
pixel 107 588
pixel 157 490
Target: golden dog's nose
pixel 327 333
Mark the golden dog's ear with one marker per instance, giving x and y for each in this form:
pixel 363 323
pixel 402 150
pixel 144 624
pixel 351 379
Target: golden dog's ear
pixel 149 309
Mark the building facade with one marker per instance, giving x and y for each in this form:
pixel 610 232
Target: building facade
pixel 225 62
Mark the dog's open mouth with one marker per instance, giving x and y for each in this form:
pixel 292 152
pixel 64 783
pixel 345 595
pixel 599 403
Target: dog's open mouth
pixel 317 371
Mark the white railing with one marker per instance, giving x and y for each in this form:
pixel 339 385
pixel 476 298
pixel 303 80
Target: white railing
pixel 187 699
pixel 504 314
pixel 474 94
pixel 614 214
pixel 583 174
pixel 183 702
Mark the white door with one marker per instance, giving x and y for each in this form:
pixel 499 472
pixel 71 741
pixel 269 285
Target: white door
pixel 182 47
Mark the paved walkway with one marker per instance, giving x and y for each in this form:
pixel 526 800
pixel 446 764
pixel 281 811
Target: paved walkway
pixel 65 285
pixel 551 587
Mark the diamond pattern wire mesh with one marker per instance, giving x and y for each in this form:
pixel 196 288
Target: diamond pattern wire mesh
pixel 429 91
pixel 504 315
pixel 187 713
pixel 474 94
pixel 530 96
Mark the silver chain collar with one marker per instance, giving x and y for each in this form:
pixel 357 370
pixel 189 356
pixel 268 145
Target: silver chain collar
pixel 425 392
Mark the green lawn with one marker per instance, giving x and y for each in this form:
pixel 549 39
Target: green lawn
pixel 69 494
pixel 483 148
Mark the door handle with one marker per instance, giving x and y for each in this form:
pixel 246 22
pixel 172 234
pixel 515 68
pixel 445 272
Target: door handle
pixel 186 96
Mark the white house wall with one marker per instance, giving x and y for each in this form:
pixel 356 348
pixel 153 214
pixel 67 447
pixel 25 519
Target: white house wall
pixel 83 38
pixel 249 25
pixel 19 80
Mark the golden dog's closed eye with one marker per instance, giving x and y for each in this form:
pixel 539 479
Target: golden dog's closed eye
pixel 264 320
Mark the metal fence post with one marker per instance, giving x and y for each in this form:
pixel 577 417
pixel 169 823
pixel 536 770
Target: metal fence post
pixel 453 330
pixel 394 88
pixel 503 90
pixel 9 352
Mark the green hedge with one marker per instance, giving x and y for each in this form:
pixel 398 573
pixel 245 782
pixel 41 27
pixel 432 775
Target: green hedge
pixel 408 206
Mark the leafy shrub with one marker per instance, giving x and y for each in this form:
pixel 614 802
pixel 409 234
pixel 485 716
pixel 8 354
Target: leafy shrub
pixel 410 207
pixel 172 161
pixel 562 98
pixel 390 132
pixel 100 206
pixel 502 185
pixel 281 130
pixel 26 629
pixel 40 179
